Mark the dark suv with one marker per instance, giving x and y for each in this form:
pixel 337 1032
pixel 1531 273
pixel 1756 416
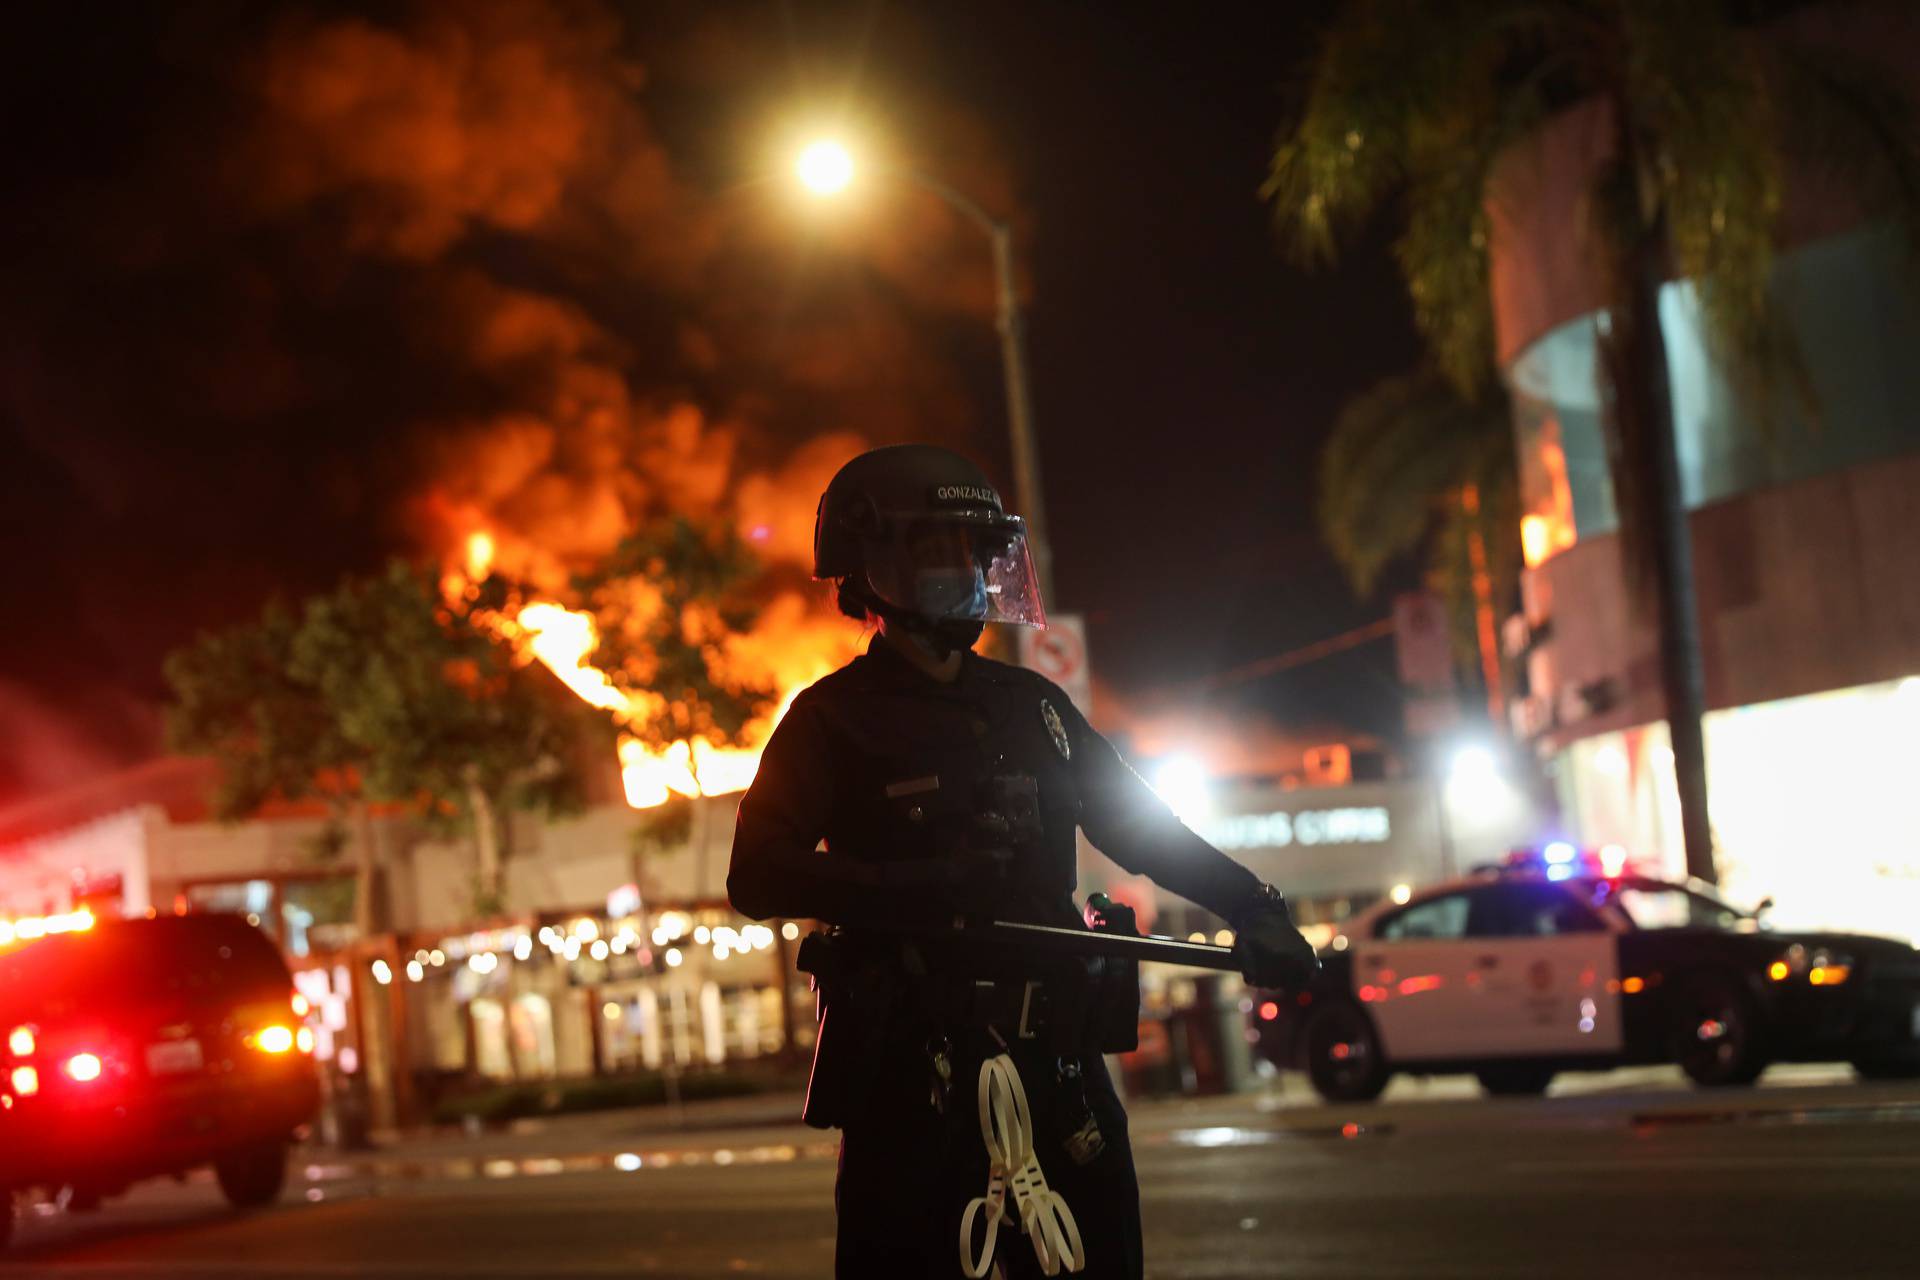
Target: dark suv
pixel 135 1048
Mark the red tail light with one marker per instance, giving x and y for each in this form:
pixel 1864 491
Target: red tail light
pixel 83 1067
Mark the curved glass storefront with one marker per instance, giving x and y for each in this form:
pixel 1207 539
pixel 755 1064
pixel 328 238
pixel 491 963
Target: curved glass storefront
pixel 1855 311
pixel 1811 799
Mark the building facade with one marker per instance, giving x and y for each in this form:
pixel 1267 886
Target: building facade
pixel 615 949
pixel 1805 528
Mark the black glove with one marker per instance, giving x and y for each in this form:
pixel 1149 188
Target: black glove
pixel 1270 950
pixel 1104 915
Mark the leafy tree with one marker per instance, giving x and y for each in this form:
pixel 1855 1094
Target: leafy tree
pixel 1412 465
pixel 380 694
pixel 237 698
pixel 1418 99
pixel 452 722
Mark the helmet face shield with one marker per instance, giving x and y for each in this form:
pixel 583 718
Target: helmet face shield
pixel 971 567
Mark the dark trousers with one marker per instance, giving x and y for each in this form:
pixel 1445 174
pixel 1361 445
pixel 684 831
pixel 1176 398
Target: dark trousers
pixel 907 1173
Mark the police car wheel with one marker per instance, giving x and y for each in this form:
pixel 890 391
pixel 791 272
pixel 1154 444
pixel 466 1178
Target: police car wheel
pixel 1344 1059
pixel 1515 1079
pixel 1715 1031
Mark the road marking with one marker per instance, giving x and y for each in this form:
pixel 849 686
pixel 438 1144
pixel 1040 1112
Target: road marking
pixel 1713 1162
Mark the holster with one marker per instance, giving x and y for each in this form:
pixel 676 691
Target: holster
pixel 1114 1026
pixel 852 1003
pixel 838 1050
pixel 1115 1023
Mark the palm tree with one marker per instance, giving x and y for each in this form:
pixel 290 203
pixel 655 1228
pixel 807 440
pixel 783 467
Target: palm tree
pixel 1705 108
pixel 1412 465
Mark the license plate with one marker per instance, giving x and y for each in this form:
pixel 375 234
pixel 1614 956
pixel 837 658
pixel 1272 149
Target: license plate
pixel 172 1057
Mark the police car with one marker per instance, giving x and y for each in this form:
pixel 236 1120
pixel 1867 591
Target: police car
pixel 1567 961
pixel 135 1049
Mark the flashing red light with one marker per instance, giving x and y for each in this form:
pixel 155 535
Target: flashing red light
pixel 300 1006
pixel 1372 994
pixel 1269 1011
pixel 1342 1051
pixel 26 1081
pixel 83 1067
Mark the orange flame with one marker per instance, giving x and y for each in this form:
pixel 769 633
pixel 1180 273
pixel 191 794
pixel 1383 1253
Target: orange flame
pixel 789 649
pixel 479 556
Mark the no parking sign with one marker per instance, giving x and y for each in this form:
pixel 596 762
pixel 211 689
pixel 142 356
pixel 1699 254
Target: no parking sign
pixel 1060 654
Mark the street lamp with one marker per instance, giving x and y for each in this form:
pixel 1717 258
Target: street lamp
pixel 826 168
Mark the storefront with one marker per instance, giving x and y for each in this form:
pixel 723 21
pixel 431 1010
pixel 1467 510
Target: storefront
pixel 1813 803
pixel 576 994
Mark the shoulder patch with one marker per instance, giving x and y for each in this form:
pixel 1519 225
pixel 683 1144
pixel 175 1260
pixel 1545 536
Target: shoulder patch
pixel 1059 731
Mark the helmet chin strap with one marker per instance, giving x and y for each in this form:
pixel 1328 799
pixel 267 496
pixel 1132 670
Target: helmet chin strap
pixel 941 639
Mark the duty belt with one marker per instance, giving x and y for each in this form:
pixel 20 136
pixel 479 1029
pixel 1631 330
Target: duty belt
pixel 1051 1010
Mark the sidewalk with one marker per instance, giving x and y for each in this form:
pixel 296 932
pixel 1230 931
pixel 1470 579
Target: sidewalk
pixel 584 1131
pixel 769 1124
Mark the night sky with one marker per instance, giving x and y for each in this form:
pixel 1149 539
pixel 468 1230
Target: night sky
pixel 289 290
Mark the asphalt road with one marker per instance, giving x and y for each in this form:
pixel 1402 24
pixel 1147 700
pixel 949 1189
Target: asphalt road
pixel 1810 1177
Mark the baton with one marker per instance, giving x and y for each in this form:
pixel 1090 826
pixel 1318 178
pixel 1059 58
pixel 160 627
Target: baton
pixel 1117 946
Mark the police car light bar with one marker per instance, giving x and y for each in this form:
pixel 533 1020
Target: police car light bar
pixel 1562 860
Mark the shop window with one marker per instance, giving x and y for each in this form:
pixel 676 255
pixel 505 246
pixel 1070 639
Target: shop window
pixel 317 915
pixel 250 898
pixel 530 1022
pixel 492 1057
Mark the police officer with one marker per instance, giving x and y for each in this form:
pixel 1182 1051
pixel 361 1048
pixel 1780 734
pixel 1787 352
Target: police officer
pixel 921 783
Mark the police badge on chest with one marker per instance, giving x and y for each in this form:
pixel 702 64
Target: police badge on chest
pixel 1056 730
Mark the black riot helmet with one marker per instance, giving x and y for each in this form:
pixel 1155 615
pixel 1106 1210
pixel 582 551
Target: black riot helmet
pixel 917 535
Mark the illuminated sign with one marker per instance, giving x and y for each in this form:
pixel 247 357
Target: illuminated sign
pixel 1365 825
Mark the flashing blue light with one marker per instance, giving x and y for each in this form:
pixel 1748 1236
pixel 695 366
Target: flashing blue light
pixel 1559 852
pixel 1559 871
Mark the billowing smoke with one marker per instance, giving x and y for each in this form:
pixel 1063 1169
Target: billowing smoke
pixel 304 289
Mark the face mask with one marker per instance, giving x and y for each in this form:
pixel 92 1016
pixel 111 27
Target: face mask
pixel 950 594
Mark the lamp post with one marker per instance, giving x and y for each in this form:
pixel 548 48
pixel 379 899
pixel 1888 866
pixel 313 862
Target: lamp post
pixel 827 168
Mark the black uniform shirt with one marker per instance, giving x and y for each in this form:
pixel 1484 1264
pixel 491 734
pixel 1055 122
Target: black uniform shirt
pixel 883 763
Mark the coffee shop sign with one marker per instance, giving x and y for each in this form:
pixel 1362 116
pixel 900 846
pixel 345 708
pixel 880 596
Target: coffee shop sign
pixel 1366 825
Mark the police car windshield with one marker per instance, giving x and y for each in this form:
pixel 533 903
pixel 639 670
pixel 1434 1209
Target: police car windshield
pixel 1651 904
